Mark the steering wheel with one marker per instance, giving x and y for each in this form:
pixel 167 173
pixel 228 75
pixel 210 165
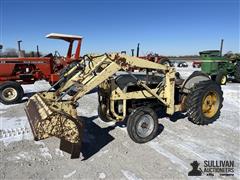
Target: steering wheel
pixel 58 60
pixel 57 55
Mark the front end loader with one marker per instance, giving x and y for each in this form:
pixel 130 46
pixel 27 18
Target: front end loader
pixel 122 95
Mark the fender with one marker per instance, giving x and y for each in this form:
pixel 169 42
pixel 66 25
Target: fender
pixel 194 78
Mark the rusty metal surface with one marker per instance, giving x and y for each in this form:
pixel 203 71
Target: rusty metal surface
pixel 45 121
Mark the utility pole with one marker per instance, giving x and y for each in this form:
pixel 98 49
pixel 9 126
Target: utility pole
pixel 38 54
pixel 19 48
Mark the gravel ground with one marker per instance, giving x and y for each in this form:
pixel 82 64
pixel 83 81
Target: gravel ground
pixel 109 153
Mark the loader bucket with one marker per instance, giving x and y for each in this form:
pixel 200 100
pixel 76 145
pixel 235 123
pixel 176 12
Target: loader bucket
pixel 50 118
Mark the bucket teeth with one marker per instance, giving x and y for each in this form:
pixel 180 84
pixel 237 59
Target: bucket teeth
pixel 50 118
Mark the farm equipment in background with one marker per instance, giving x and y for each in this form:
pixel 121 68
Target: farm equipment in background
pixel 27 70
pixel 182 64
pixel 157 59
pixel 1 47
pixel 153 57
pixel 121 95
pixel 219 67
pixel 196 64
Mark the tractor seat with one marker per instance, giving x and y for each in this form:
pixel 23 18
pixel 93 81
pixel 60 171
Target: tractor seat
pixel 178 80
pixel 126 80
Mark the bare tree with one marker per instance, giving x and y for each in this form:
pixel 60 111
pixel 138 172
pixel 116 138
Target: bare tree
pixel 10 52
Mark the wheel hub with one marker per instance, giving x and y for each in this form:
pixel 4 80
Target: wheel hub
pixel 145 126
pixel 224 79
pixel 9 94
pixel 210 104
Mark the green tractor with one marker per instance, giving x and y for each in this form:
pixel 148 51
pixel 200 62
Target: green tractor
pixel 221 68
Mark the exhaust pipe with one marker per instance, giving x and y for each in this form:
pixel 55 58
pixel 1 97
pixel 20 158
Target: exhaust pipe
pixel 132 52
pixel 221 47
pixel 138 49
pixel 38 54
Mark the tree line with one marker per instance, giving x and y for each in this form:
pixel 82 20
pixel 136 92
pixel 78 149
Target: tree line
pixel 12 52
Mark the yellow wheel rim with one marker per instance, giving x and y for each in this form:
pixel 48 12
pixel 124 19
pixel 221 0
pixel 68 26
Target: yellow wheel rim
pixel 224 80
pixel 210 104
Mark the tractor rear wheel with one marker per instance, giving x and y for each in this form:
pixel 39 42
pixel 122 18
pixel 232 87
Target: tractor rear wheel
pixel 142 125
pixel 221 78
pixel 204 102
pixel 11 92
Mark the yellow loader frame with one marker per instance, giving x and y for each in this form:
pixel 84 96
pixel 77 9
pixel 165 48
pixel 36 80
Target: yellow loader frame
pixel 55 114
pixel 108 65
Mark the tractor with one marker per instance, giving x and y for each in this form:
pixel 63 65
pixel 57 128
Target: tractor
pixel 154 57
pixel 27 70
pixel 123 96
pixel 220 68
pixel 158 59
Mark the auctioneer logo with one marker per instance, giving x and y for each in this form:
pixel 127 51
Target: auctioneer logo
pixel 211 168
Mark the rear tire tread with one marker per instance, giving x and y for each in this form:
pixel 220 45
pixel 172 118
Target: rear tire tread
pixel 194 102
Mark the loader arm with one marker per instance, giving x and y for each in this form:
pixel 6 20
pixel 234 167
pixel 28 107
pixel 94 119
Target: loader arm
pixel 105 66
pixel 50 115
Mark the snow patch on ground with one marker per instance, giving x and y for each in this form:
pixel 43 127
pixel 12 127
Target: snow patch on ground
pixel 17 128
pixel 40 143
pixel 102 175
pixel 174 159
pixel 129 175
pixel 19 156
pixel 59 152
pixel 231 97
pixel 14 129
pixel 38 86
pixel 45 153
pixel 102 153
pixel 70 174
pixel 3 108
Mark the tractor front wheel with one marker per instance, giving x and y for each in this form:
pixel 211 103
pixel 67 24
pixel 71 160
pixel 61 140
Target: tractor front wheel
pixel 221 78
pixel 204 102
pixel 11 92
pixel 142 125
pixel 237 72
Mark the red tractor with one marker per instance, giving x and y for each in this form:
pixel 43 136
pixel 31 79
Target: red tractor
pixel 154 57
pixel 157 59
pixel 196 64
pixel 27 70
